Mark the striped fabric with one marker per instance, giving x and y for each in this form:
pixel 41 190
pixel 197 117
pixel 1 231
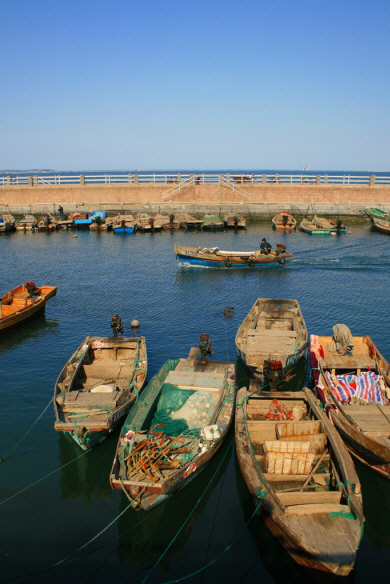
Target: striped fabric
pixel 366 386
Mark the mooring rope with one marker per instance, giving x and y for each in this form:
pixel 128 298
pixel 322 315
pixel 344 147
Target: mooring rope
pixel 45 477
pixel 6 457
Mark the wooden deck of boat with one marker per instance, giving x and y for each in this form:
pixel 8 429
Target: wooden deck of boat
pixel 341 545
pixel 371 419
pixel 192 364
pixel 359 359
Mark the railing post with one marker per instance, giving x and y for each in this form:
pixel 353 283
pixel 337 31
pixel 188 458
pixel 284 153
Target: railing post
pixel 82 179
pixel 136 179
pixel 264 179
pixel 190 179
pixel 326 179
pixel 9 180
pixel 130 178
pixel 221 179
pixel 372 180
pixel 318 179
pixel 228 177
pixel 179 177
pixel 30 181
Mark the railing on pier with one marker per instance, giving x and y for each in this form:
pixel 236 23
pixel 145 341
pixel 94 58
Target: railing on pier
pixel 181 180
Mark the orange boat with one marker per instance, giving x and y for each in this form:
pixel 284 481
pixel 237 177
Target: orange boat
pixel 23 303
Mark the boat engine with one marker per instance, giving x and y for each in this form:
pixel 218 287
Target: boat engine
pixel 116 325
pixel 206 347
pixel 273 373
pixel 31 289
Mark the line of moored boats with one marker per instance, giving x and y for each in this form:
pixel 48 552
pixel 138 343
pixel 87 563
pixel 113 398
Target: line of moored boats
pixel 121 223
pixel 128 223
pixel 292 446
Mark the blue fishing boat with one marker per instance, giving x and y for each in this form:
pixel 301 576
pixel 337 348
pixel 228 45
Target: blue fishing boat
pixel 88 219
pixel 124 224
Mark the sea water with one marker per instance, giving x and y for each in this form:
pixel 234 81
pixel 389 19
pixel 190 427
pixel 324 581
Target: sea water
pixel 56 504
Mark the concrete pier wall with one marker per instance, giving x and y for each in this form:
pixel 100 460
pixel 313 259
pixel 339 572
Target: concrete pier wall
pixel 258 199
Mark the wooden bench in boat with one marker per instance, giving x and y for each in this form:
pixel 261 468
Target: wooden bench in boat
pixel 191 380
pixel 82 399
pixel 277 333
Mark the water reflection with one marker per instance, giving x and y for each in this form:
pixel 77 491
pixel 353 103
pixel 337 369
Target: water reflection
pixel 87 476
pixel 35 329
pixel 157 528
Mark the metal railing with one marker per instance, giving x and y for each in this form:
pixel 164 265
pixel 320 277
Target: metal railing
pixel 179 180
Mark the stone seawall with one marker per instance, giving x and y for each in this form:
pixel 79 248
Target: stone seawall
pixel 250 200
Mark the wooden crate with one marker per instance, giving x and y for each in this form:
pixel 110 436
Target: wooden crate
pixel 288 457
pixel 307 431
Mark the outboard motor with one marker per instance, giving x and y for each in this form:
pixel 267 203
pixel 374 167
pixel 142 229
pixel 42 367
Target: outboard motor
pixel 273 373
pixel 31 289
pixel 116 325
pixel 206 347
pixel 151 222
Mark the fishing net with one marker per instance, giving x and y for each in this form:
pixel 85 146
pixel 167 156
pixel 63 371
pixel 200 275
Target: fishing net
pixel 182 410
pixel 210 219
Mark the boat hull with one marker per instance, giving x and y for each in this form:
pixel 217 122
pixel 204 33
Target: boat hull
pixel 9 322
pixel 285 340
pixel 89 417
pixel 366 438
pixel 311 539
pixel 120 230
pixel 146 492
pixel 205 257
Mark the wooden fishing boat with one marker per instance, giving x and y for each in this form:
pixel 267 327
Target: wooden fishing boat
pixel 147 223
pixel 167 221
pixel 175 428
pixel 124 224
pixel 218 258
pixel 188 221
pixel 300 477
pixel 67 223
pixel 355 389
pixel 97 387
pixel 22 304
pixel 284 222
pixel 321 225
pixel 382 225
pixel 272 338
pixel 47 223
pixel 375 213
pixel 212 223
pixel 26 223
pixel 7 222
pixel 101 224
pixel 234 221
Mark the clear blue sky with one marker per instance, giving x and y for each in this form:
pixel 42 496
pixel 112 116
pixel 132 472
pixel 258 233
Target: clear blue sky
pixel 169 84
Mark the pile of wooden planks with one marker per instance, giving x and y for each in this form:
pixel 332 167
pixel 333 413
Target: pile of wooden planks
pixel 152 457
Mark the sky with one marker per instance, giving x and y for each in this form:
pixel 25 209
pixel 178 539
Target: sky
pixel 207 84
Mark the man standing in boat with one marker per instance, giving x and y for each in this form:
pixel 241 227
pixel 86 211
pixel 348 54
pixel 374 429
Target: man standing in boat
pixel 265 247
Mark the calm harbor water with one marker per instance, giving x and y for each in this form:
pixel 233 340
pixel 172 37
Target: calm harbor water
pixel 55 500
